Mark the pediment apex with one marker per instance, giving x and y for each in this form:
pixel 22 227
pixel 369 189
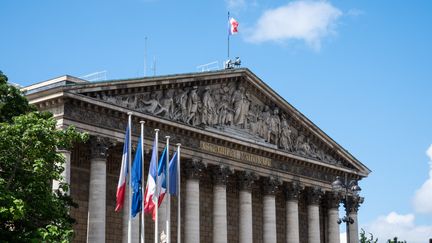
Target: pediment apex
pixel 233 102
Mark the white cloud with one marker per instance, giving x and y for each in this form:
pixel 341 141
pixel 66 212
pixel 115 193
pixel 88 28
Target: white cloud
pixel 423 196
pixel 402 226
pixel 308 21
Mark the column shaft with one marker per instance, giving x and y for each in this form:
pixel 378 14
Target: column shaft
pixel 192 212
pixel 125 219
pixel 245 217
pixel 292 222
pixel 269 215
pixel 313 224
pixel 66 172
pixel 97 201
pixel 220 234
pixel 333 226
pixel 353 229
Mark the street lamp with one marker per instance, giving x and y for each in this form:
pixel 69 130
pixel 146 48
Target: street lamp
pixel 352 187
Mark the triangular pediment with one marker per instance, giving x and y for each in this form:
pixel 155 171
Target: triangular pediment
pixel 235 103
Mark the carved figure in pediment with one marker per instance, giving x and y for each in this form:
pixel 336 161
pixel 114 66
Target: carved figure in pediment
pixel 151 105
pixel 181 111
pixel 286 139
pixel 109 99
pixel 265 123
pixel 208 110
pixel 245 110
pixel 192 106
pixel 238 104
pixel 273 133
pixel 166 105
pixel 253 119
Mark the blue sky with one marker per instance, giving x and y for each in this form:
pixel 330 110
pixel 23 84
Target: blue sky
pixel 360 70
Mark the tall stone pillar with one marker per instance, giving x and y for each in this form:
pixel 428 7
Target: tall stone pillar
pixel 269 209
pixel 314 198
pixel 246 179
pixel 192 206
pixel 220 231
pixel 333 200
pixel 66 169
pixel 126 211
pixel 97 188
pixel 352 205
pixel 292 192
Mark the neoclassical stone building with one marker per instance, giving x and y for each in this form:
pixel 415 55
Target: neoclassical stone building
pixel 254 169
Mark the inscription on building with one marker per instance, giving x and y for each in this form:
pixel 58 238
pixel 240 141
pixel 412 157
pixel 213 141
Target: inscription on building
pixel 236 154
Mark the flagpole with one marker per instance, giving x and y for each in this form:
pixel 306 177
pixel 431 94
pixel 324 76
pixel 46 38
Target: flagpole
pixel 178 196
pixel 130 176
pixel 168 208
pixel 142 183
pixel 229 35
pixel 157 198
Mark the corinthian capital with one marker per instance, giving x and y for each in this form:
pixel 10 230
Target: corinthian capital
pixel 221 174
pixel 314 195
pixel 352 203
pixel 246 179
pixel 271 184
pixel 194 169
pixel 99 147
pixel 293 190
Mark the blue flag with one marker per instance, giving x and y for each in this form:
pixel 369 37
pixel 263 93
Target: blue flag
pixel 136 181
pixel 173 175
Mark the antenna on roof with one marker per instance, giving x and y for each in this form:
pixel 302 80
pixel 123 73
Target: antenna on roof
pixel 96 76
pixel 154 66
pixel 209 66
pixel 145 57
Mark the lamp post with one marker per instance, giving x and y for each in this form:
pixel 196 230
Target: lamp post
pixel 347 188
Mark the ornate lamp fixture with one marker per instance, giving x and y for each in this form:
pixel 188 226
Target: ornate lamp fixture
pixel 352 188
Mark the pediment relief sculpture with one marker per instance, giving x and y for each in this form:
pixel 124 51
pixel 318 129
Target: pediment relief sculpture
pixel 225 107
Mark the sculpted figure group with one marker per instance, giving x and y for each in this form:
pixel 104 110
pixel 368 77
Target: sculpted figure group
pixel 224 105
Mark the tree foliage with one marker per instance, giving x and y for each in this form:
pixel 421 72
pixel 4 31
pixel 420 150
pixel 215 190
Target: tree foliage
pixel 395 240
pixel 30 211
pixel 365 239
pixel 12 102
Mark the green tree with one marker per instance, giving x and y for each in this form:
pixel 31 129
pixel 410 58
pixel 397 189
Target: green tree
pixel 395 240
pixel 12 102
pixel 364 239
pixel 30 211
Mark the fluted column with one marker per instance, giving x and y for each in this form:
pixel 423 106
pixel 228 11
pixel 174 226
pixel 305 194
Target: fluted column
pixel 220 231
pixel 292 192
pixel 66 170
pixel 246 179
pixel 314 197
pixel 192 206
pixel 97 190
pixel 270 187
pixel 351 206
pixel 125 219
pixel 333 200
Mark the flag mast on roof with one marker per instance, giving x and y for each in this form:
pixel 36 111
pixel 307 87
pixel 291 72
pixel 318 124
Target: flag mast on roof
pixel 232 30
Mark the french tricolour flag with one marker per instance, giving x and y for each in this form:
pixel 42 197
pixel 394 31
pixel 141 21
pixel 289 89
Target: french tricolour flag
pixel 161 179
pixel 149 203
pixel 233 26
pixel 121 186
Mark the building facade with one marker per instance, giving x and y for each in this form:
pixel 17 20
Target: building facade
pixel 253 168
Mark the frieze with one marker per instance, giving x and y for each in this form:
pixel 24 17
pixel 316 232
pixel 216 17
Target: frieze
pixel 236 154
pixel 229 108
